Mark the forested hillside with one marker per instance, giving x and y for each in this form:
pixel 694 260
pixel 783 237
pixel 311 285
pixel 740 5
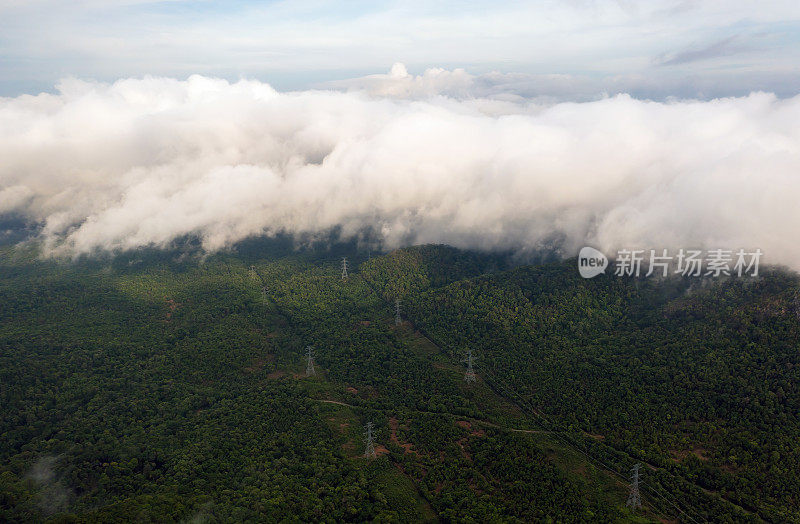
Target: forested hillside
pixel 698 378
pixel 162 386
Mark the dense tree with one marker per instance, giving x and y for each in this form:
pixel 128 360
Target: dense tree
pixel 156 386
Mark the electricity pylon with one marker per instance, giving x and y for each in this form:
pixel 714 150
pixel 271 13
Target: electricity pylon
pixel 310 359
pixel 344 268
pixel 634 499
pixel 397 319
pixel 369 448
pixel 469 376
pixel 797 304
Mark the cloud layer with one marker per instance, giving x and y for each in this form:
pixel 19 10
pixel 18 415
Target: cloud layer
pixel 144 161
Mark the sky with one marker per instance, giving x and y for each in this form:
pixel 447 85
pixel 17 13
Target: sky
pixel 649 49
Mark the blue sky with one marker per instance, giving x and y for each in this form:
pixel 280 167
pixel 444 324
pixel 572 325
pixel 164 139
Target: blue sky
pixel 653 49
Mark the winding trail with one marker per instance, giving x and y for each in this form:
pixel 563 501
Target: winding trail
pixel 459 417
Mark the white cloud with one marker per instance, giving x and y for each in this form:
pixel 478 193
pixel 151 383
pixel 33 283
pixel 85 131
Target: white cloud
pixel 398 83
pixel 141 162
pixel 14 197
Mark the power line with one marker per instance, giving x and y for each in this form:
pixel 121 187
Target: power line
pixel 562 437
pixel 545 425
pixel 566 440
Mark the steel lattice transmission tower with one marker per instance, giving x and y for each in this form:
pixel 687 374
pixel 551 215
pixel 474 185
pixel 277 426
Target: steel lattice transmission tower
pixel 634 499
pixel 397 319
pixel 469 376
pixel 310 361
pixel 797 304
pixel 369 445
pixel 344 268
